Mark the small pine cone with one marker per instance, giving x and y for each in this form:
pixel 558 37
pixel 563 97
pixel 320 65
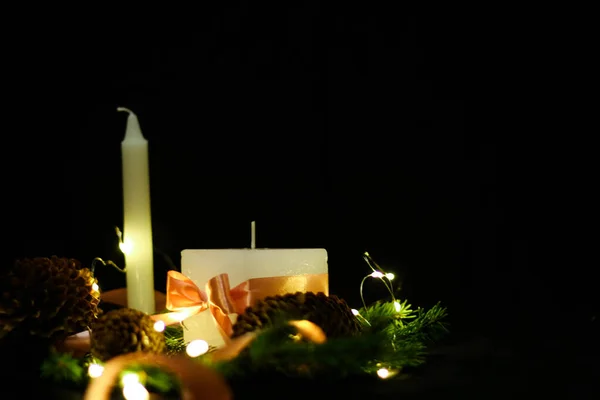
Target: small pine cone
pixel 125 331
pixel 330 313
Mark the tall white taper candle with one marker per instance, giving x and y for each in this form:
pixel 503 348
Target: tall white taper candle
pixel 137 224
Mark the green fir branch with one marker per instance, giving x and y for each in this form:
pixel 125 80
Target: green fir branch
pixel 428 326
pixel 63 368
pixel 381 315
pixel 174 340
pixel 394 336
pixel 155 379
pixel 273 350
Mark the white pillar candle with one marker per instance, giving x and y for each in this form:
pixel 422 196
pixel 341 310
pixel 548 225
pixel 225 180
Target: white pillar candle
pixel 241 265
pixel 137 225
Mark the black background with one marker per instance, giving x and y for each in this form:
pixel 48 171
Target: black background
pixel 340 129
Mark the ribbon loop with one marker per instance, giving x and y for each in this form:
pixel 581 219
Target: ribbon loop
pixel 182 292
pixel 221 304
pixel 185 299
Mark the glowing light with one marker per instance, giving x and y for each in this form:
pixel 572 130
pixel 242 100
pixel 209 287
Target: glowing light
pixel 95 370
pixel 135 391
pixel 397 306
pixel 383 373
pixel 130 378
pixel 95 287
pixel 390 276
pixel 196 348
pixel 126 246
pixel 159 326
pixel 296 338
pixel 355 311
pixel 377 274
pixel 178 316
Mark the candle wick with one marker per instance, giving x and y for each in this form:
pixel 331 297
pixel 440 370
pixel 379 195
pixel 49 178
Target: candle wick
pixel 253 235
pixel 124 109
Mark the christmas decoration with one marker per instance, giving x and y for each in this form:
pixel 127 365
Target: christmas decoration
pixel 47 297
pixel 332 341
pixel 125 331
pixel 234 279
pixel 64 367
pixel 385 346
pixel 329 312
pixel 140 374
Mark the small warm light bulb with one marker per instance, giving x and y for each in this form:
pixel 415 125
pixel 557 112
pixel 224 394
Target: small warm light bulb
pixel 95 370
pixel 135 391
pixel 126 246
pixel 377 274
pixel 355 311
pixel 383 373
pixel 130 378
pixel 390 276
pixel 196 348
pixel 296 338
pixel 95 287
pixel 397 306
pixel 159 326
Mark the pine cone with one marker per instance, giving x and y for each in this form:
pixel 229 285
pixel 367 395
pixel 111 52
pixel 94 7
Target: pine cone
pixel 125 331
pixel 47 297
pixel 330 313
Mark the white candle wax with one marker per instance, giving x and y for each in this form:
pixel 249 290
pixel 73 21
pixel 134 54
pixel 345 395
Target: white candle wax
pixel 137 225
pixel 241 265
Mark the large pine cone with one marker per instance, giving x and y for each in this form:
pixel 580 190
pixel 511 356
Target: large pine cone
pixel 47 297
pixel 125 331
pixel 330 313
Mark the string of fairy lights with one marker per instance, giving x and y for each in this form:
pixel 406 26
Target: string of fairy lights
pixel 131 382
pixel 386 278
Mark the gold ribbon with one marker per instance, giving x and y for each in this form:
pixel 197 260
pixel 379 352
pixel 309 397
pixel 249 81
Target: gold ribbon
pixel 185 299
pixel 306 329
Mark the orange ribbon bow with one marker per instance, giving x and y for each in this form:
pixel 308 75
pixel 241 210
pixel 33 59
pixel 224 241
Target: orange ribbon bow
pixel 185 299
